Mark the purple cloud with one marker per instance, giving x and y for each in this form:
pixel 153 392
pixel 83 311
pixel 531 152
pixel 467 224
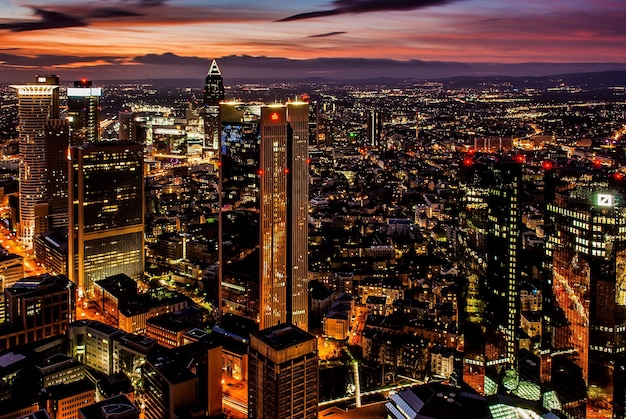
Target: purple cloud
pixel 364 6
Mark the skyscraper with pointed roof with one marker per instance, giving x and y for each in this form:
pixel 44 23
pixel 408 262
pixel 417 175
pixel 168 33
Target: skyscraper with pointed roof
pixel 213 95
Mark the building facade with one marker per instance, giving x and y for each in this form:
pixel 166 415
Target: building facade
pixel 490 238
pixel 83 111
pixel 284 215
pixel 106 217
pixel 213 94
pixel 283 374
pixel 585 290
pixel 38 104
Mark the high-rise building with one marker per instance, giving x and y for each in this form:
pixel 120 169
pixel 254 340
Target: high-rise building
pixel 238 241
pixel 38 104
pixel 283 374
pixel 491 241
pixel 263 217
pixel 213 95
pixel 83 110
pixel 585 290
pixel 106 218
pixel 284 214
pixel 374 127
pixel 57 142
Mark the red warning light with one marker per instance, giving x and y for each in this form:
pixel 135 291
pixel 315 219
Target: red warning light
pixel 547 165
pixel 286 170
pixel 467 161
pixel 260 172
pixel 308 161
pixel 520 158
pixel 618 176
pixel 274 116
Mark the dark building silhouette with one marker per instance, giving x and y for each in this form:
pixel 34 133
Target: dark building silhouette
pixel 490 240
pixel 83 111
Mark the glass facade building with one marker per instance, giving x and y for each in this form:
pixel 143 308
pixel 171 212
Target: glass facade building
pixel 106 216
pixel 585 308
pixel 83 110
pixel 490 239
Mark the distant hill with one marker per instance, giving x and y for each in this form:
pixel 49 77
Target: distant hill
pixel 589 81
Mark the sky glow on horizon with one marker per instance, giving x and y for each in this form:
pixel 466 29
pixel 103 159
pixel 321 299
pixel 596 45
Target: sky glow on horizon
pixel 62 35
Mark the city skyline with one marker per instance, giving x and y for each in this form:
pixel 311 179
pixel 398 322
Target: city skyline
pixel 421 38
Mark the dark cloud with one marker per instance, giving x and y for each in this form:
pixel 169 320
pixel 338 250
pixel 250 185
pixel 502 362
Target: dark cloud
pixel 16 61
pixel 111 12
pixel 324 35
pixel 364 6
pixel 47 20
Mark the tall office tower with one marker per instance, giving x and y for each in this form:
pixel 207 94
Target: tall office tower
pixel 57 142
pixel 263 218
pixel 585 290
pixel 284 214
pixel 106 218
pixel 83 110
pixel 213 95
pixel 238 242
pixel 490 237
pixel 374 127
pixel 283 374
pixel 37 104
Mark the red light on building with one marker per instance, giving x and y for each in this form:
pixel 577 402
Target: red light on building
pixel 618 176
pixel 597 163
pixel 274 116
pixel 467 161
pixel 286 170
pixel 520 158
pixel 547 165
pixel 308 161
pixel 260 172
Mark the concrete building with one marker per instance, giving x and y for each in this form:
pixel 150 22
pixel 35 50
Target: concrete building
pixel 283 374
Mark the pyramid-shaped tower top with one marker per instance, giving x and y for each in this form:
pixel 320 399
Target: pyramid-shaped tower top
pixel 214 70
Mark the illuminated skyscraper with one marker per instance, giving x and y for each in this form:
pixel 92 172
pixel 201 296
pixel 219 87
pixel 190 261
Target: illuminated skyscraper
pixel 83 109
pixel 263 219
pixel 491 241
pixel 283 374
pixel 213 95
pixel 106 217
pixel 284 214
pixel 38 104
pixel 585 290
